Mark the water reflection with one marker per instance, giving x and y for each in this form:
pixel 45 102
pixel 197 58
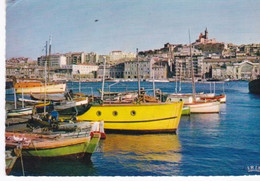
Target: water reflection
pixel 42 167
pixel 148 154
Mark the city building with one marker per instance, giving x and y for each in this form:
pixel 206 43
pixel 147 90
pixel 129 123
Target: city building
pixel 55 60
pixel 119 56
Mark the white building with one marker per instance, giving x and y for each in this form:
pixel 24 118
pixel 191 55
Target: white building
pixel 119 55
pixel 82 68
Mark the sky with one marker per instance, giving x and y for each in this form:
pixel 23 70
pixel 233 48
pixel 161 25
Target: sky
pixel 102 26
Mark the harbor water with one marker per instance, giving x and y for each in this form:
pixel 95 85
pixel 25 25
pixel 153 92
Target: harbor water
pixel 205 144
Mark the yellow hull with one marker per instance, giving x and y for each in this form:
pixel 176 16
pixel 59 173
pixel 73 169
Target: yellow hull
pixel 50 89
pixel 152 117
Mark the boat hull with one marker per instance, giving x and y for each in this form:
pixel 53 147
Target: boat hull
pixel 136 118
pixel 75 148
pixel 9 163
pixel 204 107
pixel 50 89
pixel 19 112
pixel 185 110
pixel 254 86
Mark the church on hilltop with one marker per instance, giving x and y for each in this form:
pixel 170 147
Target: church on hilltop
pixel 204 38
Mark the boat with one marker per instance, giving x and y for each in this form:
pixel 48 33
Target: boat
pixel 30 101
pixel 19 112
pixel 204 107
pixel 69 104
pixel 254 86
pixel 54 146
pixel 11 156
pixel 185 110
pixel 139 117
pixel 49 97
pixel 157 80
pixel 136 118
pixel 193 100
pixel 50 88
pixel 220 98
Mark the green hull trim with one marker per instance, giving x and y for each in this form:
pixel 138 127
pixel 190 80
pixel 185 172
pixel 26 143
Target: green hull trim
pixel 81 149
pixel 185 110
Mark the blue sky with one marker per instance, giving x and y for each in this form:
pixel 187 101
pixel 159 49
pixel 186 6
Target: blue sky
pixel 125 24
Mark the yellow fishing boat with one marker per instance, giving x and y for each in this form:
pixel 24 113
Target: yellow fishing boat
pixel 135 118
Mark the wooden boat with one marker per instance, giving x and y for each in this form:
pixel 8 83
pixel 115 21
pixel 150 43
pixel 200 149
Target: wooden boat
pixel 136 118
pixel 49 97
pixel 30 101
pixel 53 146
pixel 10 159
pixel 19 112
pixel 221 98
pixel 69 104
pixel 39 88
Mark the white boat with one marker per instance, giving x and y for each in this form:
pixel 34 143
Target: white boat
pixel 157 80
pixel 204 107
pixel 19 112
pixel 69 104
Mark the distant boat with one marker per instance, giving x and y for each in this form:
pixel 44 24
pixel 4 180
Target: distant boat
pixel 70 104
pixel 19 112
pixel 157 80
pixel 48 97
pixel 38 88
pixel 254 86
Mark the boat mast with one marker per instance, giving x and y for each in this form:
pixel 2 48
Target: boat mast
pixel 192 73
pixel 176 83
pixel 138 76
pixel 103 81
pixel 49 58
pixel 180 78
pixel 153 83
pixel 45 77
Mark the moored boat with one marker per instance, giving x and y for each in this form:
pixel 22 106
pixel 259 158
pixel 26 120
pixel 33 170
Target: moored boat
pixel 70 104
pixel 40 88
pixel 185 110
pixel 204 107
pixel 254 86
pixel 48 97
pixel 221 98
pixel 55 145
pixel 19 112
pixel 136 118
pixel 10 159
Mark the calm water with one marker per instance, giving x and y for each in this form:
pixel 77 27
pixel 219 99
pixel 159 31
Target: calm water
pixel 208 144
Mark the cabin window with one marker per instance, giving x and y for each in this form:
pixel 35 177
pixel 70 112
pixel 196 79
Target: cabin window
pixel 98 113
pixel 133 113
pixel 115 113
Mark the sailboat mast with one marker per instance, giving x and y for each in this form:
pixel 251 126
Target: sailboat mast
pixel 103 81
pixel 176 83
pixel 49 59
pixel 192 73
pixel 45 77
pixel 153 83
pixel 138 76
pixel 180 78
